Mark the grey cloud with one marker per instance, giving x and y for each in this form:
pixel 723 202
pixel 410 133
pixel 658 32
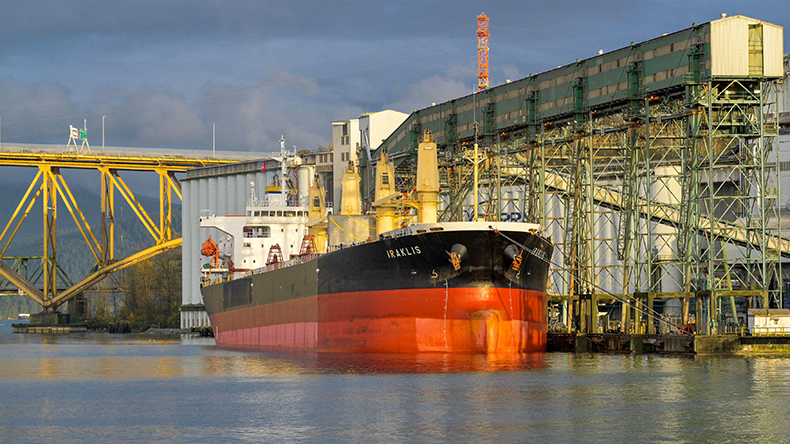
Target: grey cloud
pixel 33 109
pixel 435 89
pixel 248 118
pixel 259 69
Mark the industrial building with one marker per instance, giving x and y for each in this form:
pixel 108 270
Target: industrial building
pixel 358 137
pixel 654 168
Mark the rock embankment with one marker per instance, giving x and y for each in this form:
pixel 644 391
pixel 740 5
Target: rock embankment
pixel 167 331
pixel 201 331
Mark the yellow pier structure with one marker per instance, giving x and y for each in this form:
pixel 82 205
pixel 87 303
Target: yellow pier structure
pixel 49 187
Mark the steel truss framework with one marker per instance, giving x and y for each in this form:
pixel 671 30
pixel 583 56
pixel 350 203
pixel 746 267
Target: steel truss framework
pixel 47 284
pixel 670 196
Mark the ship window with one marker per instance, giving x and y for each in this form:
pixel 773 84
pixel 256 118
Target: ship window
pixel 257 214
pixel 249 213
pixel 290 214
pixel 247 245
pixel 279 214
pixel 264 213
pixel 249 231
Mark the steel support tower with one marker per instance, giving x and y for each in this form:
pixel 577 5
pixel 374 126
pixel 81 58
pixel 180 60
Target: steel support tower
pixel 653 168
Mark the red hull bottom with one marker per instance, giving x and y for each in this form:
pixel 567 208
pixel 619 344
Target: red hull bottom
pixel 455 320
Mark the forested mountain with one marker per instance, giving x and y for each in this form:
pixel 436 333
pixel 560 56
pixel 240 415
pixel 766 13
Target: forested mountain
pixel 74 255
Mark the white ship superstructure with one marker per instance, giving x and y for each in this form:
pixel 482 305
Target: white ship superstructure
pixel 272 229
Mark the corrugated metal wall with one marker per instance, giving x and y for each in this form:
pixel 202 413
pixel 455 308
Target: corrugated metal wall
pixel 219 190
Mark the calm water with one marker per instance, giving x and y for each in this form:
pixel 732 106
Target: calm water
pixel 140 388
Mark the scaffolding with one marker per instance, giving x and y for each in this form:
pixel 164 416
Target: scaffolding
pixel 653 169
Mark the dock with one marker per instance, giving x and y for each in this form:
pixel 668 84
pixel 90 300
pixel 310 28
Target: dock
pixel 667 343
pixel 47 329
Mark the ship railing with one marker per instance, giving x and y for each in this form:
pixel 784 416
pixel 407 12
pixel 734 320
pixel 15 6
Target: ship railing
pixel 300 260
pixel 289 263
pixel 332 248
pixel 271 267
pixel 207 282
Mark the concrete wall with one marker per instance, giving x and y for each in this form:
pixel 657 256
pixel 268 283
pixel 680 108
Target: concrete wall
pixel 376 127
pixel 345 147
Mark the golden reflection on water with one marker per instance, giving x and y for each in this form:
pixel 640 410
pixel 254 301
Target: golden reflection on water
pixel 428 363
pixel 49 368
pixel 49 339
pixel 296 362
pixel 107 368
pixel 217 362
pixel 167 367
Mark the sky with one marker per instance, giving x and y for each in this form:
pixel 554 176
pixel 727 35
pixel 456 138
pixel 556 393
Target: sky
pixel 162 72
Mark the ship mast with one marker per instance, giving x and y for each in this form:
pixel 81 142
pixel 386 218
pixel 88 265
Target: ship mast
pixel 283 169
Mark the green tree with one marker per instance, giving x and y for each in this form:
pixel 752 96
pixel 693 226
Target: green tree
pixel 152 291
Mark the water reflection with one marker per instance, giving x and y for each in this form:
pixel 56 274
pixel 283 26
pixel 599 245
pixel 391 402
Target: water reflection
pixel 427 363
pixel 137 388
pixel 300 362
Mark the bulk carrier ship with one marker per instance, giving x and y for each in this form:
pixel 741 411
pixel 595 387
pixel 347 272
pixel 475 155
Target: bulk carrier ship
pixel 291 275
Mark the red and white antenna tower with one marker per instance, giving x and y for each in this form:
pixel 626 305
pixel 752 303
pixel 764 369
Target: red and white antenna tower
pixel 482 52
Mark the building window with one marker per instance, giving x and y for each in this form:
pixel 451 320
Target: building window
pixel 755 50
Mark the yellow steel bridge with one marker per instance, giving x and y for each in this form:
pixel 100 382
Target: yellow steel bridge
pixel 50 188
